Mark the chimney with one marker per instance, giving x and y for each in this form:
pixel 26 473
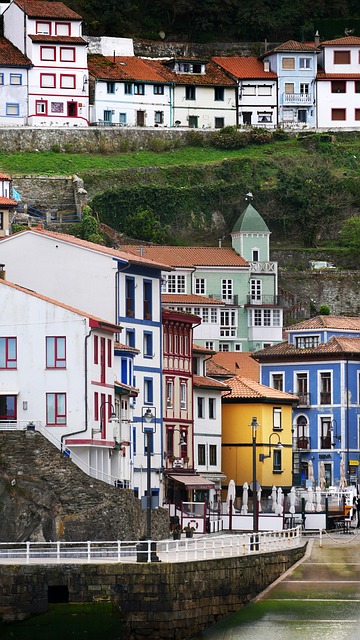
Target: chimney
pixel 316 39
pixel 2 272
pixel 219 243
pixel 114 56
pixel 266 66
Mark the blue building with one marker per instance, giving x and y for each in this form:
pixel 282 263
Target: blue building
pixel 296 66
pixel 320 363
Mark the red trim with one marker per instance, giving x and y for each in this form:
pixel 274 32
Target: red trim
pixel 97 443
pixel 67 75
pixel 96 406
pixel 41 113
pixel 96 383
pixel 96 348
pixel 67 49
pixel 67 24
pixel 38 22
pixel 49 75
pixel 42 47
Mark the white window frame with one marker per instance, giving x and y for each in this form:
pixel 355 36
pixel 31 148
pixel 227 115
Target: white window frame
pixel 200 286
pixel 305 63
pixel 280 375
pixel 227 285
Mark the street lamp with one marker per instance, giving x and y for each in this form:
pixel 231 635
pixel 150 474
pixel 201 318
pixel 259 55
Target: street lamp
pixel 254 425
pixel 278 445
pixel 148 416
pixel 112 415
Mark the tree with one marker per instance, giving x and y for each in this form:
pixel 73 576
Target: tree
pixel 349 235
pixel 144 224
pixel 89 227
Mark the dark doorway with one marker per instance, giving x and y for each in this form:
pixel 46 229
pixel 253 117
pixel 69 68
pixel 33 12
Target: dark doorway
pixel 72 109
pixel 58 593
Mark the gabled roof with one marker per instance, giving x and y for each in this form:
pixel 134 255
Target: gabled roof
pixel 321 75
pixel 58 39
pixel 3 176
pixel 235 363
pixel 85 244
pixel 10 56
pixel 204 382
pixel 244 67
pixel 99 322
pixel 187 298
pixel 43 9
pixel 247 389
pixel 337 345
pixel 7 202
pixel 197 348
pixel 342 323
pixel 348 41
pixel 293 45
pixel 190 256
pixel 249 221
pixel 213 76
pixel 123 68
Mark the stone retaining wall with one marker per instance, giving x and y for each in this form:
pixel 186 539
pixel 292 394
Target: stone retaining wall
pixel 158 600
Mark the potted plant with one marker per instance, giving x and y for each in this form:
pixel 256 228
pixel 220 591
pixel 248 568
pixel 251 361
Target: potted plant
pixel 176 533
pixel 189 531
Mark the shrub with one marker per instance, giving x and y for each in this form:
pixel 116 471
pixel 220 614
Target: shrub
pixel 324 310
pixel 260 136
pixel 15 228
pixel 280 134
pixel 230 138
pixel 194 138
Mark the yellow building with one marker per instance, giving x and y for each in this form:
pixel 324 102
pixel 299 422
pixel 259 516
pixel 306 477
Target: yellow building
pixel 270 442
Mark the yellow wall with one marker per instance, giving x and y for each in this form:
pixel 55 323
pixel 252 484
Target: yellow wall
pixel 237 460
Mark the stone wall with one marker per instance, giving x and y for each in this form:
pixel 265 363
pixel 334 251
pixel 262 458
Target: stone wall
pixel 45 496
pixel 158 600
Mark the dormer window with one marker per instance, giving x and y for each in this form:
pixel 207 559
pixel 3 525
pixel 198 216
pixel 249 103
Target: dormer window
pixel 189 67
pixel 306 342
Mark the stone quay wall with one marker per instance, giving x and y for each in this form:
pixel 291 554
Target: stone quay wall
pixel 158 600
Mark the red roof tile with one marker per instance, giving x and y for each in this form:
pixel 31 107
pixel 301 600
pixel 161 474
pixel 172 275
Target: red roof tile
pixel 237 364
pixel 244 67
pixel 186 298
pixel 328 322
pixel 122 68
pixel 10 56
pixel 349 41
pixel 125 347
pixel 216 370
pixel 285 351
pixel 43 9
pixel 191 256
pixel 249 389
pixel 197 348
pixel 3 176
pixel 133 391
pixel 321 75
pixel 293 45
pixel 58 39
pixel 7 202
pixel 209 383
pixel 213 76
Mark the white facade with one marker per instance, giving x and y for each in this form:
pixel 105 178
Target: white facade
pixel 198 108
pixel 13 100
pixel 258 103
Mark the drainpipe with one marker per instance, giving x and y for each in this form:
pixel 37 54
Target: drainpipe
pixel 347 420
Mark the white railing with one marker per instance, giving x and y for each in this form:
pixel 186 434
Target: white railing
pixel 204 548
pixel 263 267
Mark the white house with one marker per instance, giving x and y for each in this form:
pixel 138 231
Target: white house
pixel 123 289
pixel 7 204
pixel 338 84
pixel 14 71
pixel 50 35
pixel 257 89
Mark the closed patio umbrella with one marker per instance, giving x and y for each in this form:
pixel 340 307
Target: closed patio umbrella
pixel 280 499
pixel 343 482
pixel 274 499
pixel 245 497
pixel 292 498
pixel 322 476
pixel 231 495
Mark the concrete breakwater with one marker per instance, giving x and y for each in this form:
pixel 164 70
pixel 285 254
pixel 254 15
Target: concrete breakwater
pixel 158 600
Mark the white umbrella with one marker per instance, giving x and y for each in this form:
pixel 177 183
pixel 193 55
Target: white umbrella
pixel 311 471
pixel 231 495
pixel 245 496
pixel 280 498
pixel 343 482
pixel 318 499
pixel 274 499
pixel 292 496
pixel 309 504
pixel 322 475
pixel 258 496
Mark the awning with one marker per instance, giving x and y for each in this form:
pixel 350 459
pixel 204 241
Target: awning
pixel 194 482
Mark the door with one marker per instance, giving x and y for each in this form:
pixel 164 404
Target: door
pixel 107 116
pixel 302 115
pixel 247 118
pixel 140 118
pixel 72 109
pixel 193 122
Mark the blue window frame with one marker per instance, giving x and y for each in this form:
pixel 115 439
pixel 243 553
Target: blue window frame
pixel 1 78
pixel 148 344
pixel 148 391
pixel 130 337
pixel 122 118
pixel 15 78
pixel 124 371
pixel 130 297
pixel 134 439
pixel 12 109
pixel 108 116
pixel 147 299
pixel 151 431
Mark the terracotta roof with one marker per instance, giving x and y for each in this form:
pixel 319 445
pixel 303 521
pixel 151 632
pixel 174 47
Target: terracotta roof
pixel 180 316
pixel 3 176
pixel 40 296
pixel 185 298
pixel 121 255
pixel 328 322
pixel 340 344
pixel 249 389
pixel 349 41
pixel 126 68
pixel 293 45
pixel 236 363
pixel 197 348
pixel 10 56
pixel 133 391
pixel 321 75
pixel 58 39
pixel 43 9
pixel 216 370
pixel 7 202
pixel 336 345
pixel 213 76
pixel 244 67
pixel 191 256
pixel 209 383
pixel 125 347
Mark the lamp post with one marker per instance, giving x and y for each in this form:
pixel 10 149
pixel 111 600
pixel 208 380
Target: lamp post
pixel 254 425
pixel 112 415
pixel 148 416
pixel 278 445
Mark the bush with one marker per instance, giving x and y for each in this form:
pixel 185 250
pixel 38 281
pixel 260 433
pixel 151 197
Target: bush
pixel 324 310
pixel 280 134
pixel 15 228
pixel 260 136
pixel 230 138
pixel 194 139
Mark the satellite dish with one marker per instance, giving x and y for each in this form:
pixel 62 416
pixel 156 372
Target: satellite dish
pixel 162 35
pixel 348 32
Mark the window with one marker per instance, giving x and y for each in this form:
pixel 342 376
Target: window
pixel 249 90
pixel 212 411
pixel 148 437
pixel 255 290
pixel 62 29
pixel 102 360
pixel 109 353
pixel 265 90
pixel 205 314
pixel 305 63
pixel 169 394
pixel 1 78
pixel 289 87
pixel 224 346
pixel 338 86
pixel 148 344
pixel 190 93
pixel 107 116
pixel 7 407
pixel 267 317
pixel 306 342
pixel 288 63
pixel 357 86
pixel 302 389
pixel 159 89
pixel 15 78
pixel 96 349
pixel 201 454
pixel 175 284
pixel 183 395
pixel 325 432
pixel 277 419
pixel 304 88
pixel 12 109
pixel 212 455
pixel 357 114
pixel 201 407
pixel 277 461
pixel 128 88
pixel 277 381
pixel 302 433
pixel 200 286
pixel 213 315
pixel 139 89
pixel 148 391
pixel 48 80
pixel 130 337
pixel 238 346
pixel 147 292
pixel 209 345
pixel 169 441
pixel 255 255
pixel 47 53
pixel 67 54
pixel 43 28
pixel 196 68
pixel 67 82
pixel 342 57
pixel 96 406
pixel 55 352
pixel 55 408
pixel 8 353
pixel 276 317
pixel 228 323
pixel 122 118
pixel 130 297
pixel 257 317
pixel 227 290
pixel 219 94
pixel 219 123
pixel 264 116
pixel 159 117
pixel 110 87
pixel 325 388
pixel 193 122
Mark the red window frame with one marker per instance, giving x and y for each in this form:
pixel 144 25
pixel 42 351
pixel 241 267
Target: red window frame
pixel 41 113
pixel 42 48
pixel 338 110
pixel 59 362
pixel 342 56
pixel 67 49
pixel 103 414
pixel 357 114
pixel 60 418
pixel 102 360
pixel 8 361
pixel 49 75
pixel 96 349
pixel 109 353
pixel 38 22
pixel 67 24
pixel 67 75
pixel 96 406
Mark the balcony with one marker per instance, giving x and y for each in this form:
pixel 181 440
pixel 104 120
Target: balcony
pixel 304 399
pixel 230 300
pixel 263 267
pixel 302 443
pixel 263 300
pixel 298 98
